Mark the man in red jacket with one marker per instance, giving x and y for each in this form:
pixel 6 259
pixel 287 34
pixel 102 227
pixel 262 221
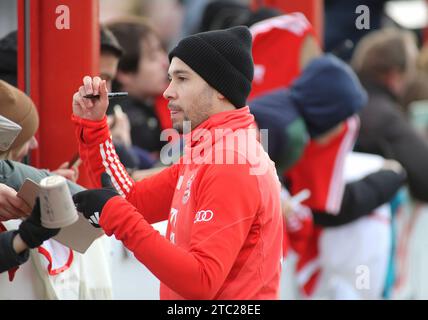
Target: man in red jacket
pixel 222 199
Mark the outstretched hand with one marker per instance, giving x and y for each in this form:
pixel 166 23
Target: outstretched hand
pixel 68 173
pixel 91 108
pixel 11 206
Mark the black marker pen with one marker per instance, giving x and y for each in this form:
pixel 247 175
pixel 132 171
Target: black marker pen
pixel 110 95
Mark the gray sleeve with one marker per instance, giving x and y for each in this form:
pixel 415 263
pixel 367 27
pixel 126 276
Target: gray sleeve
pixel 14 173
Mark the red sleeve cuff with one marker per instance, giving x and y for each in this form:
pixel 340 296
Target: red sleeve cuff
pixel 108 214
pixel 89 130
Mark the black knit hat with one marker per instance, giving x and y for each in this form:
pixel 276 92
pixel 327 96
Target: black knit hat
pixel 223 59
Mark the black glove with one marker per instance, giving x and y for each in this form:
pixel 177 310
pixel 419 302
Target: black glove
pixel 31 230
pixel 91 202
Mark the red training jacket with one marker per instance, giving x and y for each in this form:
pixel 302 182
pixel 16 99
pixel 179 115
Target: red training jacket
pixel 224 234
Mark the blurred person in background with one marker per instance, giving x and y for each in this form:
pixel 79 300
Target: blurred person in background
pixel 30 121
pixel 55 271
pixel 292 34
pixel 166 17
pixel 220 14
pixel 8 58
pixel 110 54
pixel 312 232
pixel 15 244
pixel 329 109
pixel 283 44
pixel 416 91
pixel 341 35
pixel 142 73
pixel 385 60
pixel 415 97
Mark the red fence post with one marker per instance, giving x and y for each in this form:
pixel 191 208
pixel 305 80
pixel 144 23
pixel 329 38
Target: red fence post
pixel 58 43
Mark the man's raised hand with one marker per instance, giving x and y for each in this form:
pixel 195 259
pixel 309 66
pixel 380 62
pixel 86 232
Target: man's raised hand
pixel 91 108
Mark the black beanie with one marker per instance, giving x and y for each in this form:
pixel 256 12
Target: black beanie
pixel 223 59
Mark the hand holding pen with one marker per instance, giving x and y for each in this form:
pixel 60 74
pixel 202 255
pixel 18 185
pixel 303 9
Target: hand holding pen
pixel 93 109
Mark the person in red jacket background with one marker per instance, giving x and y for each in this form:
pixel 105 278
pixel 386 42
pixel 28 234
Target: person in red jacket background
pixel 222 199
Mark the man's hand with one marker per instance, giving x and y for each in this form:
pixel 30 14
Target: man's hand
pixel 11 206
pixel 94 108
pixel 31 230
pixel 91 202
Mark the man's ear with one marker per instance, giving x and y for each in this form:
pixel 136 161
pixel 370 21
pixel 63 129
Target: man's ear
pixel 220 96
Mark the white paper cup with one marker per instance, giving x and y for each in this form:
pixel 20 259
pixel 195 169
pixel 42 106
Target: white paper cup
pixel 56 204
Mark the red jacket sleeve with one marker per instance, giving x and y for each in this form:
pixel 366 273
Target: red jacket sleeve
pixel 98 153
pixel 199 272
pixel 153 196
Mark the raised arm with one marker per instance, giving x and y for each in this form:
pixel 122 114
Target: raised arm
pixel 97 151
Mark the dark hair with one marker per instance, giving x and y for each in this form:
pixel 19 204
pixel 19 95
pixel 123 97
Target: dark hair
pixel 8 58
pixel 130 32
pixel 382 51
pixel 109 43
pixel 222 14
pixel 261 14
